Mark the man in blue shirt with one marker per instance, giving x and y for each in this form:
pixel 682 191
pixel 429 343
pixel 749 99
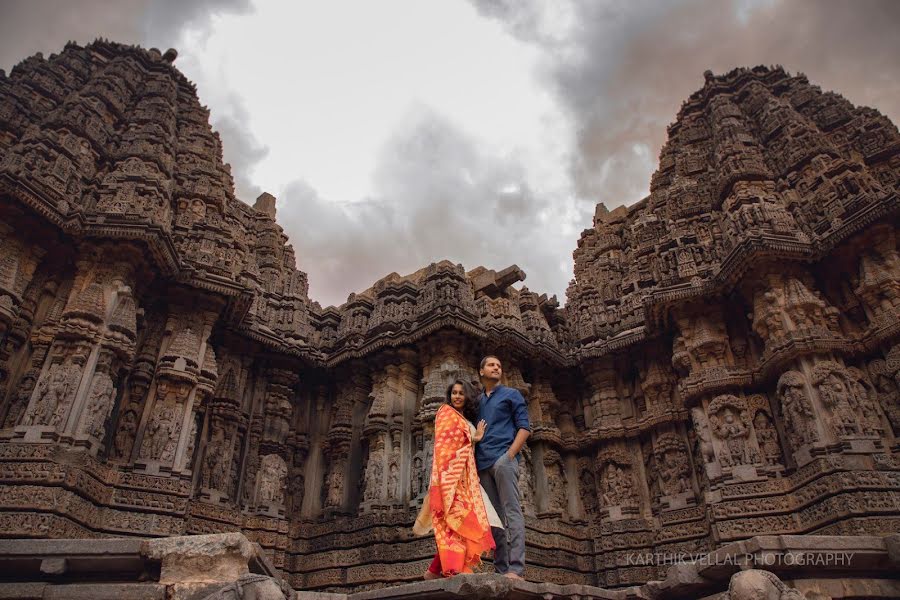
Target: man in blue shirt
pixel 496 456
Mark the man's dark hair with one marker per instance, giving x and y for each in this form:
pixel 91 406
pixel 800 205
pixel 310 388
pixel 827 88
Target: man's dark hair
pixel 485 359
pixel 470 408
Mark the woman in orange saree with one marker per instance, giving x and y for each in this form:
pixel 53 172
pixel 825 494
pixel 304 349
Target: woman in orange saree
pixel 456 505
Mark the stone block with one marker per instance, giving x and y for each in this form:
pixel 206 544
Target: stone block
pixel 220 557
pixel 106 591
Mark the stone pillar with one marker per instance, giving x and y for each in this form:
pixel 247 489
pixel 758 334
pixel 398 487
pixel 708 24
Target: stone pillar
pixel 269 497
pixel 184 376
pixel 136 388
pixel 603 409
pixel 446 356
pixel 77 386
pixel 617 489
pixel 221 447
pixel 376 431
pixel 388 428
pixel 352 388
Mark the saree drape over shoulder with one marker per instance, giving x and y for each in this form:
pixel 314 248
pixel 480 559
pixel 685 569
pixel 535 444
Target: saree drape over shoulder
pixel 461 527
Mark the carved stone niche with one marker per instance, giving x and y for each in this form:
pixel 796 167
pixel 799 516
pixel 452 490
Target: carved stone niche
pixel 674 471
pixel 800 423
pixel 270 484
pixel 373 482
pixel 787 305
pixel 587 486
pixel 766 432
pixel 617 489
pixel 730 423
pixel 54 394
pixel 849 402
pixel 879 275
pixel 418 480
pixel 657 383
pixel 702 343
pixel 603 408
pixel 101 395
pixel 884 376
pixel 163 430
pixel 555 501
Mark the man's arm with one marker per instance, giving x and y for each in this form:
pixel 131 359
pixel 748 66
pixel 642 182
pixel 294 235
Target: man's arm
pixel 523 426
pixel 521 436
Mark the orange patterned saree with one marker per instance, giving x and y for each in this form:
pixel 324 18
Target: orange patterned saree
pixel 460 521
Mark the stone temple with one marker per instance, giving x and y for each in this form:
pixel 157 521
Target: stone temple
pixel 724 374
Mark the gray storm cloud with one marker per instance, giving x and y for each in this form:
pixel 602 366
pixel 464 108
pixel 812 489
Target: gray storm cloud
pixel 623 69
pixel 436 196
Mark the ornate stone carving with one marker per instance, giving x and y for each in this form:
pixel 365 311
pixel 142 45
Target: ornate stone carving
pixel 755 584
pixel 704 437
pixel 556 482
pixel 54 394
pixel 833 384
pixel 270 481
pixel 672 463
pixel 730 421
pixel 616 481
pixel 800 420
pixel 99 403
pixel 767 437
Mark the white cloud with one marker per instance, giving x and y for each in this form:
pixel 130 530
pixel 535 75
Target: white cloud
pixel 395 133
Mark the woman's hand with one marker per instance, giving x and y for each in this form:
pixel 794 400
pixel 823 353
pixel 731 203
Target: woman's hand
pixel 479 431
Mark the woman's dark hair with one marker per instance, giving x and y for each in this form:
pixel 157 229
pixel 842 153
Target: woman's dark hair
pixel 470 409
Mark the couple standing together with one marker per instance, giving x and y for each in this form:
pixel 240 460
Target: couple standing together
pixel 473 499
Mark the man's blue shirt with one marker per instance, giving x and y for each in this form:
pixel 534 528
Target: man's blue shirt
pixel 505 413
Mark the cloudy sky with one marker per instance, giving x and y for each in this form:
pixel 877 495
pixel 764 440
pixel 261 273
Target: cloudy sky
pixel 401 132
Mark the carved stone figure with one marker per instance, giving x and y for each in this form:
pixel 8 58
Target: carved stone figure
pixel 188 459
pixel 833 384
pixel 297 489
pixel 49 396
pixel 216 462
pixel 730 422
pixel 418 478
pixel 672 463
pixel 19 402
pixel 886 390
pixel 616 486
pixel 526 481
pixel 704 438
pixel 652 473
pixel 863 401
pixel 125 435
pixel 767 437
pixel 374 476
pixel 556 483
pixel 270 480
pixel 393 481
pixel 160 438
pixel 99 402
pixel 334 487
pixel 65 382
pixel 797 410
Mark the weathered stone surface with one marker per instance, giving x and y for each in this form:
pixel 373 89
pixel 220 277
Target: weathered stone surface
pixel 727 363
pixel 201 558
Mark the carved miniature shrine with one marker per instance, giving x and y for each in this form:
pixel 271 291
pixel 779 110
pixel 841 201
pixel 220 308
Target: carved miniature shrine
pixel 726 364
